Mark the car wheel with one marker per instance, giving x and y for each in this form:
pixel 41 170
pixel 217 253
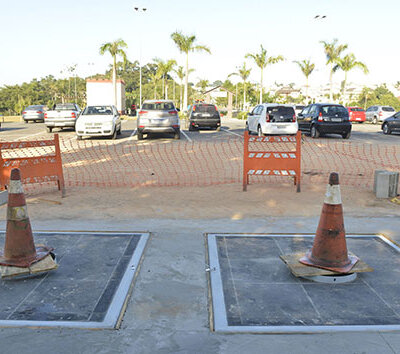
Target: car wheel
pixel 78 137
pixel 247 126
pixel 49 129
pixel 346 135
pixel 259 131
pixel 119 132
pixel 314 132
pixel 139 135
pixel 375 120
pixel 177 135
pixel 191 128
pixel 218 129
pixel 114 135
pixel 386 129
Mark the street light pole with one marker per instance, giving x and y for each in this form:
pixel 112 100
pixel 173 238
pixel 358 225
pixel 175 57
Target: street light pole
pixel 139 9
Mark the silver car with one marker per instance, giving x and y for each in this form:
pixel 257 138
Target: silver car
pixel 377 114
pixel 34 113
pixel 158 116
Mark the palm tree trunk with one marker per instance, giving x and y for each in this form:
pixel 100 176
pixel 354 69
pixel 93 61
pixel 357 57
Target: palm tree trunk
pixel 344 88
pixel 163 86
pixel 244 94
pixel 261 86
pixel 181 96
pixel 166 89
pixel 114 78
pixel 185 98
pixel 307 88
pixel 330 82
pixel 155 90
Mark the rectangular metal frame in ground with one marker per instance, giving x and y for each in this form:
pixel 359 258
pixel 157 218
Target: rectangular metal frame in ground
pixel 218 311
pixel 115 301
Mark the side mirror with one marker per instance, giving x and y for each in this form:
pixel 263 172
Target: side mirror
pixel 300 115
pixel 178 109
pixel 250 114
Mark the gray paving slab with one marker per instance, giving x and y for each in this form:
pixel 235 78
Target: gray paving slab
pixel 176 252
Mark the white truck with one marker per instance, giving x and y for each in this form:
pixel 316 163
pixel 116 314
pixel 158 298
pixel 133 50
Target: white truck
pixel 61 116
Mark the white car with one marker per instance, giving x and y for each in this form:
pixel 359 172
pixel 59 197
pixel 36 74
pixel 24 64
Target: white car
pixel 272 118
pixel 98 121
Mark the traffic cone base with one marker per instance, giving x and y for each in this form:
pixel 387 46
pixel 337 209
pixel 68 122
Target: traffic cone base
pixel 307 260
pixel 45 265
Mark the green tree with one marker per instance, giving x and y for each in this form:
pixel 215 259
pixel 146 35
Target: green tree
pixel 348 63
pixel 306 68
pixel 164 68
pixel 185 45
pixel 262 60
pixel 202 84
pixel 333 51
pixel 115 49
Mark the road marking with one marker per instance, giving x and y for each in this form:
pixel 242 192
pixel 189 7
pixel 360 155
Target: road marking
pixel 186 136
pixel 133 133
pixel 231 132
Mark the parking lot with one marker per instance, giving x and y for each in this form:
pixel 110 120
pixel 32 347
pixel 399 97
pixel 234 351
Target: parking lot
pixel 368 133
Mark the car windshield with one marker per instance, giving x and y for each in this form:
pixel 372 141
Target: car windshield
pixel 64 107
pixel 299 107
pixel 205 108
pixel 158 106
pixel 281 110
pixel 330 111
pixel 33 108
pixel 97 110
pixel 388 109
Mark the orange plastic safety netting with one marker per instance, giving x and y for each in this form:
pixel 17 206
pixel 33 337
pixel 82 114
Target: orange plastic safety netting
pixel 162 162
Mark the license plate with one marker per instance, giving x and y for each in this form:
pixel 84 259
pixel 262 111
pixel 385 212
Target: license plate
pixel 281 126
pixel 336 119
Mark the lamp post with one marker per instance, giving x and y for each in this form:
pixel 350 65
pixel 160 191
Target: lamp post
pixel 140 9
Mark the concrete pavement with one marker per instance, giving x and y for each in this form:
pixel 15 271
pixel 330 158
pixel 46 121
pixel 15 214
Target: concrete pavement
pixel 168 310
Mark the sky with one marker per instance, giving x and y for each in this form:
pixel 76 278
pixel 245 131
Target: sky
pixel 44 37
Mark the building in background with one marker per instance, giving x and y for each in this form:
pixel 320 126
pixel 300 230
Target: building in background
pixel 101 92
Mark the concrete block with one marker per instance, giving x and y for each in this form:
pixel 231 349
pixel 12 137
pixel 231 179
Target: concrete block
pixel 386 184
pixel 3 197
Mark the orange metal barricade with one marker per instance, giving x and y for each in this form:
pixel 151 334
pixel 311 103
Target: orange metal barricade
pixel 272 163
pixel 34 169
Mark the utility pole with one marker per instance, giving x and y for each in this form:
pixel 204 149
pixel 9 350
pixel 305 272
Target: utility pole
pixel 140 9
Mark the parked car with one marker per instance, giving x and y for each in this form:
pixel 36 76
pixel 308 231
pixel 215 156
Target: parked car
pixel 204 115
pixel 34 113
pixel 298 108
pixel 158 116
pixel 325 118
pixel 356 114
pixel 391 124
pixel 272 118
pixel 377 114
pixel 63 115
pixel 98 121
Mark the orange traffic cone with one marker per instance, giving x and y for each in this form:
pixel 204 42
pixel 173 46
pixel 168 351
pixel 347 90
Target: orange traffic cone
pixel 19 248
pixel 329 250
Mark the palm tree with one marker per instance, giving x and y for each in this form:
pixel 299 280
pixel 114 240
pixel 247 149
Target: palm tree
pixel 307 68
pixel 154 77
pixel 348 63
pixel 185 45
pixel 262 60
pixel 164 68
pixel 202 84
pixel 115 48
pixel 332 51
pixel 244 74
